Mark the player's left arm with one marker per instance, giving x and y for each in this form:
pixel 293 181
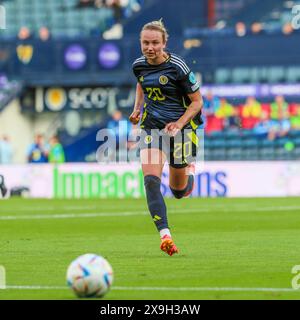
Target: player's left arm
pixel 193 109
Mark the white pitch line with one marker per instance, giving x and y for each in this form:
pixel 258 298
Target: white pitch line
pixel 202 289
pixel 72 215
pixel 48 208
pixel 197 289
pixel 137 213
pixel 35 288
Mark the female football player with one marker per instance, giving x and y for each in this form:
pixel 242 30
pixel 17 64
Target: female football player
pixel 169 93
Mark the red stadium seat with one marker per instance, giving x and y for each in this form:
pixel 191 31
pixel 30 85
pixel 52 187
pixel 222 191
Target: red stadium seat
pixel 293 109
pixel 247 123
pixel 214 124
pixel 266 107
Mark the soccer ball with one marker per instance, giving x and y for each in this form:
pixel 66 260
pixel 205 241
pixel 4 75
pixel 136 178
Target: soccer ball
pixel 90 275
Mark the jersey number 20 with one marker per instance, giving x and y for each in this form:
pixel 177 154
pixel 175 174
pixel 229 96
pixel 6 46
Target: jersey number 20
pixel 155 94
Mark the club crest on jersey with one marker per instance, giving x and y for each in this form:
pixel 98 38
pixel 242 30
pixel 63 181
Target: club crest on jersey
pixel 141 79
pixel 148 139
pixel 163 80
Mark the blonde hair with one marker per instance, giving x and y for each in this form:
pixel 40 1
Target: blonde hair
pixel 157 25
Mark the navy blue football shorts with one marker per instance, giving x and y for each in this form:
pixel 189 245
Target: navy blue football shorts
pixel 180 150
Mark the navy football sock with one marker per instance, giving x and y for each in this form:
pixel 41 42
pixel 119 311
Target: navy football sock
pixel 156 203
pixel 178 194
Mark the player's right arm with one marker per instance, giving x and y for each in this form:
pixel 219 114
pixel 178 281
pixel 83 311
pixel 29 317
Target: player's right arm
pixel 139 101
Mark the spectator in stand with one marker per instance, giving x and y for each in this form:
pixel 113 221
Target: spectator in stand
pixel 44 33
pixel 279 107
pixel 257 28
pixel 117 8
pixel 37 151
pixel 262 128
pixel 99 4
pixel 280 122
pixel 252 108
pixel 116 31
pixel 251 113
pixel 229 113
pixel 287 29
pixel 85 4
pixel 240 29
pixel 295 119
pixel 130 6
pixel 56 153
pixel 211 104
pixel 279 127
pixel 6 151
pixel 24 33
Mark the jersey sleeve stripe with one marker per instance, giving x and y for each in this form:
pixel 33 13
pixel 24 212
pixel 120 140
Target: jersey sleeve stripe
pixel 175 56
pixel 180 61
pixel 183 67
pixel 180 66
pixel 139 60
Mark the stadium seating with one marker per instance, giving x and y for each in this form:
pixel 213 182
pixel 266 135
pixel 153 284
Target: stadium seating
pixel 256 74
pixel 221 58
pixel 244 145
pixel 246 141
pixel 63 18
pixel 272 14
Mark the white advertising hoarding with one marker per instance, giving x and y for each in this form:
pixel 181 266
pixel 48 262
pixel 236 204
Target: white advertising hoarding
pixel 213 179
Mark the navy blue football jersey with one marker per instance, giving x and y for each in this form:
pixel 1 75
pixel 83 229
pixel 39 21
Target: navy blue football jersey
pixel 166 87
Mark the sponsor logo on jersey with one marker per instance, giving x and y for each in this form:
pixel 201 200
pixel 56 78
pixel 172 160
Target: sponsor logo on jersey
pixel 192 78
pixel 163 80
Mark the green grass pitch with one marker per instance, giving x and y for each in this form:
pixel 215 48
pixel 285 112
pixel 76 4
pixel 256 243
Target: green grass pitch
pixel 229 248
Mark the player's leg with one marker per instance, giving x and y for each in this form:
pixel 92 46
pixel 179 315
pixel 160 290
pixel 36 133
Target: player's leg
pixel 182 164
pixel 152 165
pixel 181 180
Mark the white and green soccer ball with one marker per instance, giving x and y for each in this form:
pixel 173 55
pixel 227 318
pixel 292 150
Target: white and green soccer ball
pixel 90 275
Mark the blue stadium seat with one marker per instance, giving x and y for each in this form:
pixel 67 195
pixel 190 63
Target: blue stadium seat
pixel 234 143
pixel 241 75
pixel 276 74
pixel 294 134
pixel 234 154
pixel 223 75
pixel 218 154
pixel 296 153
pixel 296 141
pixel 267 150
pixel 217 143
pixel 293 74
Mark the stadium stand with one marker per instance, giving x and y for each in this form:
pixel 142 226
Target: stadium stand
pixel 266 131
pixel 244 45
pixel 237 24
pixel 67 18
pixel 270 16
